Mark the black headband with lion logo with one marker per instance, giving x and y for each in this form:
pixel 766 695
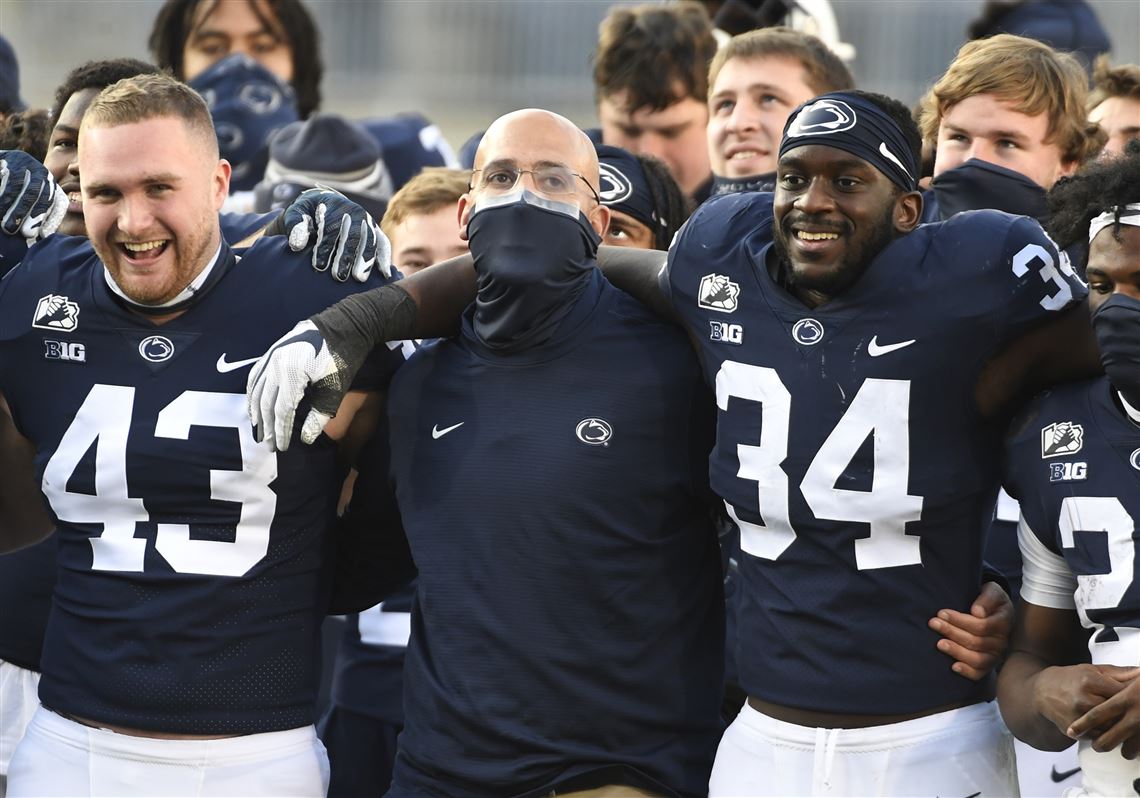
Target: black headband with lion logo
pixel 856 125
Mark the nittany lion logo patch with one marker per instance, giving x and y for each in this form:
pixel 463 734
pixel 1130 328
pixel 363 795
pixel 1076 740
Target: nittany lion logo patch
pixel 594 431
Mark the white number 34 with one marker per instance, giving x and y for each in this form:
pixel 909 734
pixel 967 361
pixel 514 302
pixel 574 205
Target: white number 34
pixel 880 408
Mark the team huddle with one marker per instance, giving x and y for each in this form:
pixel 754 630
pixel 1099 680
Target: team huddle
pixel 632 478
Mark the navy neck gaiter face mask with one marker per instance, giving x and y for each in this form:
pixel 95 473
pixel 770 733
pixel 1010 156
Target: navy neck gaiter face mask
pixel 977 185
pixel 1117 327
pixel 248 104
pixel 533 257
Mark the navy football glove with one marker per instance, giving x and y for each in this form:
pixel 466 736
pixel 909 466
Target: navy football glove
pixel 344 237
pixel 31 204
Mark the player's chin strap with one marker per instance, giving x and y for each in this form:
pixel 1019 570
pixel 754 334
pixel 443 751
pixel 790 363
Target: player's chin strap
pixel 186 297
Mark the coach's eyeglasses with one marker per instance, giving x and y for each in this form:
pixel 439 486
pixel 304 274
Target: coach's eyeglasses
pixel 550 181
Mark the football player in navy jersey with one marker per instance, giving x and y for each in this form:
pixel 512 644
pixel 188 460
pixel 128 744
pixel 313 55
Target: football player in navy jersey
pixel 30 574
pixel 190 648
pixel 1073 461
pixel 864 369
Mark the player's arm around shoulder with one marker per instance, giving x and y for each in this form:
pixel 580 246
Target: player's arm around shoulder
pixel 637 272
pixel 23 517
pixel 1043 321
pixel 648 274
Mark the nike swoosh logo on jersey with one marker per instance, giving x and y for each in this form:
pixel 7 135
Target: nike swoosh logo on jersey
pixel 437 433
pixel 875 350
pixel 226 366
pixel 1059 777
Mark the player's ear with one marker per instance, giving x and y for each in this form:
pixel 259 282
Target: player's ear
pixel 908 211
pixel 464 210
pixel 221 182
pixel 599 217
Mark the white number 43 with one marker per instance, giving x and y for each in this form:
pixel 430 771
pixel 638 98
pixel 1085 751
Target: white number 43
pixel 104 420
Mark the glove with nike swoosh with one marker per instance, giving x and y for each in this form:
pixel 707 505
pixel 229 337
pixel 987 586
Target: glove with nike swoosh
pixel 319 358
pixel 31 204
pixel 344 237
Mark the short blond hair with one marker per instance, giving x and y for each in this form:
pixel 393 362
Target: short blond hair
pixel 143 97
pixel 825 71
pixel 434 188
pixel 1031 76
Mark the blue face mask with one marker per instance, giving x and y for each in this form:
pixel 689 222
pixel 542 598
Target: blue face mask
pixel 248 104
pixel 533 257
pixel 1117 327
pixel 977 185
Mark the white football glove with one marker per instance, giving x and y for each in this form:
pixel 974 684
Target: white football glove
pixel 299 362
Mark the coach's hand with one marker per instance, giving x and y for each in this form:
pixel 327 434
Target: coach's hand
pixel 299 363
pixel 977 640
pixel 31 204
pixel 344 237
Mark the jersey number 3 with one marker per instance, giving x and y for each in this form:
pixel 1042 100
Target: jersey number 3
pixel 880 408
pixel 104 420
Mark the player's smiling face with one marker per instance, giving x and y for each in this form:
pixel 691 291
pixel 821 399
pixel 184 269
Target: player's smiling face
pixel 63 153
pixel 748 107
pixel 834 212
pixel 151 193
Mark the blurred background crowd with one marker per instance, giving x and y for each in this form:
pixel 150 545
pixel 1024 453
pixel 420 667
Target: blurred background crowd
pixel 462 63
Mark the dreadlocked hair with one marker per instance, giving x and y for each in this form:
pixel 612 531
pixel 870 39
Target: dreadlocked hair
pixel 1101 187
pixel 669 202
